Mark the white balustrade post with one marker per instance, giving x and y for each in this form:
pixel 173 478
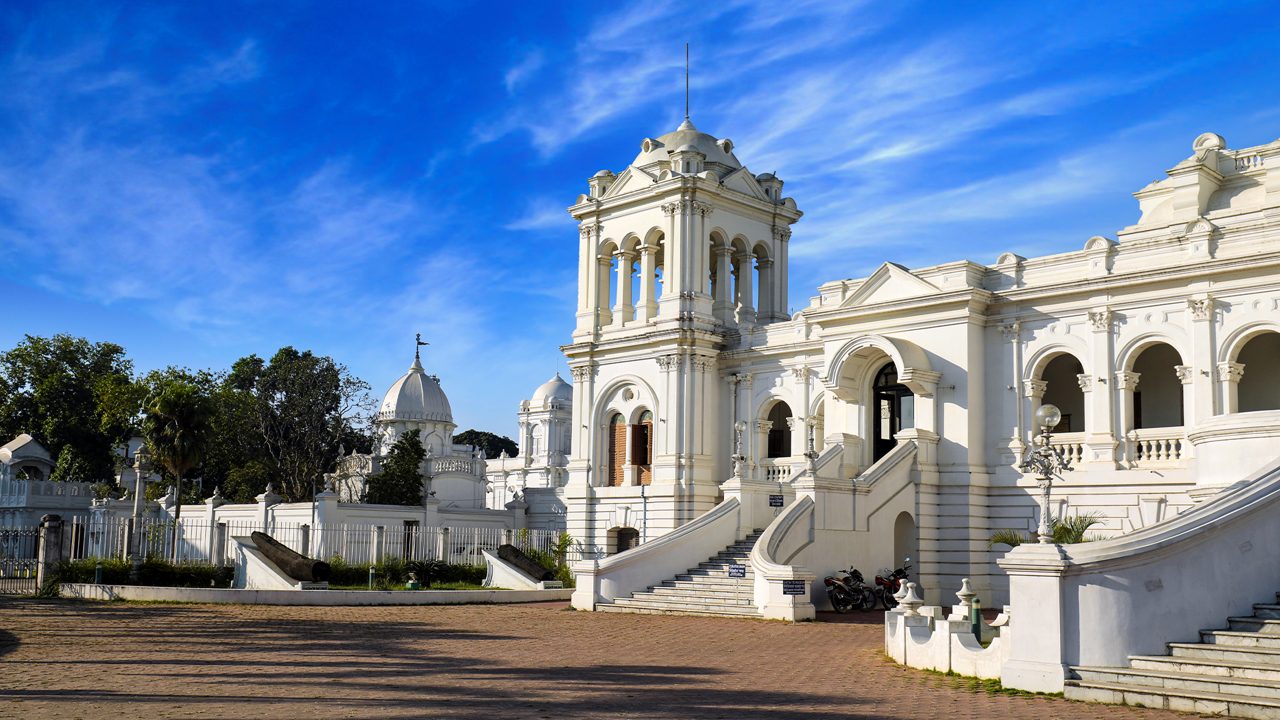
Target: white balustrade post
pixel 1035 594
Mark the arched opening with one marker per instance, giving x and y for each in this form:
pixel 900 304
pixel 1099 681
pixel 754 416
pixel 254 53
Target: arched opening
pixel 1062 388
pixel 778 444
pixel 1157 395
pixel 624 539
pixel 617 439
pixel 893 408
pixel 905 539
pixel 642 447
pixel 1260 384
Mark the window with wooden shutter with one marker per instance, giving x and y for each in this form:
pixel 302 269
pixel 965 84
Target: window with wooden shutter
pixel 617 449
pixel 642 447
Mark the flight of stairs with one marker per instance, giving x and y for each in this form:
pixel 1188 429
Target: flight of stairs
pixel 1233 672
pixel 704 590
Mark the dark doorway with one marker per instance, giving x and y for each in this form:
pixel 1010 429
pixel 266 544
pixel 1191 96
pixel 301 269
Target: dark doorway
pixel 627 538
pixel 892 410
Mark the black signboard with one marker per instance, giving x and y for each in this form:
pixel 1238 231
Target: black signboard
pixel 793 587
pixel 737 571
pixel 775 501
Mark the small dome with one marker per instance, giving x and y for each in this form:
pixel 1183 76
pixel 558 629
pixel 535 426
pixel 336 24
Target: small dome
pixel 416 396
pixel 766 176
pixel 603 173
pixel 554 389
pixel 687 137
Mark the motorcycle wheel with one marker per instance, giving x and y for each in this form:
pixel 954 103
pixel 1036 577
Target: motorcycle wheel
pixel 841 601
pixel 886 597
pixel 867 601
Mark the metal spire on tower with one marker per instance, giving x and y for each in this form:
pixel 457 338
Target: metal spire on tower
pixel 686 81
pixel 417 350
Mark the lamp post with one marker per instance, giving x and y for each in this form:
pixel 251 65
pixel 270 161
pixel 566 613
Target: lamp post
pixel 739 460
pixel 141 466
pixel 1046 462
pixel 812 453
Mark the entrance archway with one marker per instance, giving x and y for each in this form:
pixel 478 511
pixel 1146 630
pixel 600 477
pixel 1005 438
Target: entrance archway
pixel 893 408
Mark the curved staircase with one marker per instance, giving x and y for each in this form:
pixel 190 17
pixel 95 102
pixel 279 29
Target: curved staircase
pixel 1233 672
pixel 703 590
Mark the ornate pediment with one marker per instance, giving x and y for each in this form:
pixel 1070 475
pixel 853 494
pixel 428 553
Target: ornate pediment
pixel 744 182
pixel 630 180
pixel 888 283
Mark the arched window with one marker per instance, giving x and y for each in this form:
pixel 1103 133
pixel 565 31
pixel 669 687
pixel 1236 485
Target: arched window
pixel 1260 385
pixel 1062 388
pixel 1157 399
pixel 642 447
pixel 617 449
pixel 779 443
pixel 893 410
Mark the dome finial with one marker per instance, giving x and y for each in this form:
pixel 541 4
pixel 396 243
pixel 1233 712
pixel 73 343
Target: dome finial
pixel 417 352
pixel 686 81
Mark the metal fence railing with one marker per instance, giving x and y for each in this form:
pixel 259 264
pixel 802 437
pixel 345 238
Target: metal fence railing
pixel 19 547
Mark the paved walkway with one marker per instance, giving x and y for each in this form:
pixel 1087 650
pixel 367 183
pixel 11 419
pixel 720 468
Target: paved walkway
pixel 86 660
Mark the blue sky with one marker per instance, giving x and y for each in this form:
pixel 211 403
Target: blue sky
pixel 201 181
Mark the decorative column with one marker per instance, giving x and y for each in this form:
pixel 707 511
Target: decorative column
pixel 605 317
pixel 700 261
pixel 647 306
pixel 743 271
pixel 781 241
pixel 767 306
pixel 1034 391
pixel 1229 376
pixel 624 311
pixel 723 307
pixel 1200 312
pixel 587 281
pixel 1126 384
pixel 762 428
pixel 212 503
pixel 1100 438
pixel 669 303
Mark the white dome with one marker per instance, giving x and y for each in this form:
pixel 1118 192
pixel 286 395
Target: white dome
pixel 554 389
pixel 416 396
pixel 687 137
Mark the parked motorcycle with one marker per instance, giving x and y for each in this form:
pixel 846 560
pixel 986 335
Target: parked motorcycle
pixel 889 583
pixel 848 590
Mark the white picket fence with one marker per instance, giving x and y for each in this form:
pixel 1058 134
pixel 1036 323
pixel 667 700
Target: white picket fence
pixel 197 542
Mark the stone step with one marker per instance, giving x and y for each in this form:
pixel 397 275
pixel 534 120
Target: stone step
pixel 1180 681
pixel 713 591
pixel 710 573
pixel 1259 625
pixel 1265 671
pixel 1227 653
pixel 678 609
pixel 1264 610
pixel 1237 638
pixel 709 580
pixel 718 565
pixel 1166 699
pixel 698 601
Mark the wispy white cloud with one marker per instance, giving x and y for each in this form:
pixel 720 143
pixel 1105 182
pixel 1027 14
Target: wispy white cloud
pixel 542 214
pixel 519 73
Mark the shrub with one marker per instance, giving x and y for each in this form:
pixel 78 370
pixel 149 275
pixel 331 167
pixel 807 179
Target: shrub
pixel 159 573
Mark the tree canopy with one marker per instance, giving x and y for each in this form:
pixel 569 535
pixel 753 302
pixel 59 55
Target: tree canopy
pixel 400 480
pixel 493 445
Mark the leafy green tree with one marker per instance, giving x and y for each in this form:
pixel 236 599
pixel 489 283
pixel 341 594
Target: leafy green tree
pixel 71 466
pixel 301 406
pixel 176 426
pixel 400 480
pixel 493 445
pixel 65 391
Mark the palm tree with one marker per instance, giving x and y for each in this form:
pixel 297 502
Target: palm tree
pixel 1065 531
pixel 176 425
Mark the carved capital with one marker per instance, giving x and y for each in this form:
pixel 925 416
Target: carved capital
pixel 764 425
pixel 1100 320
pixel 667 362
pixel 795 423
pixel 781 234
pixel 1011 331
pixel 1185 373
pixel 802 373
pixel 701 363
pixel 1127 380
pixel 1085 380
pixel 1034 389
pixel 1201 308
pixel 670 208
pixel 582 373
pixel 1230 372
pixel 702 208
pixel 584 232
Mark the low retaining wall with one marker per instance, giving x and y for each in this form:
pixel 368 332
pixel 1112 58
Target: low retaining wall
pixel 89 591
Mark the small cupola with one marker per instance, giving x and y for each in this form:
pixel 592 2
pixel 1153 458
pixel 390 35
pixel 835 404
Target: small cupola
pixel 600 182
pixel 687 160
pixel 771 185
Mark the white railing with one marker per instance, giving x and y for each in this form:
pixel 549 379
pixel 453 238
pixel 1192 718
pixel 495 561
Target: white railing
pixel 1153 447
pixel 776 470
pixel 198 542
pixel 1070 446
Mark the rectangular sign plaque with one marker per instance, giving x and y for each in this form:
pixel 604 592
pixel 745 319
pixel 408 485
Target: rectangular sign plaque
pixel 775 501
pixel 793 587
pixel 737 571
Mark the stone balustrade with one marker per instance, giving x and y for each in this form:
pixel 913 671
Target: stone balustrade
pixel 921 636
pixel 1155 447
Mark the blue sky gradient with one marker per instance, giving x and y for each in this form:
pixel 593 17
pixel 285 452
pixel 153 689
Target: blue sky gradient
pixel 201 181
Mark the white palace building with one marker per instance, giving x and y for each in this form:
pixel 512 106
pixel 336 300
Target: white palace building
pixel 914 388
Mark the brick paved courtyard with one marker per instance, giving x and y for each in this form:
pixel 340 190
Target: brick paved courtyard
pixel 83 660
